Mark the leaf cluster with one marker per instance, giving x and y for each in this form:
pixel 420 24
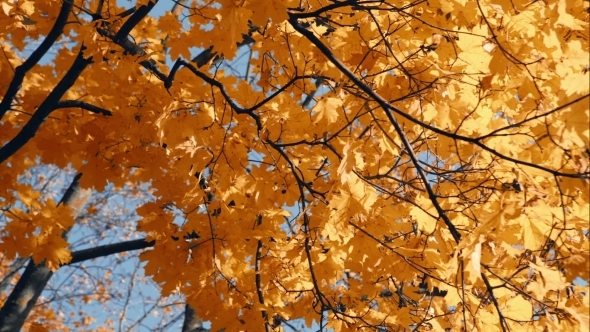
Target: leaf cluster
pixel 367 147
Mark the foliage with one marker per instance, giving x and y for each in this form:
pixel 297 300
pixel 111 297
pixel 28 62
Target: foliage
pixel 111 292
pixel 380 164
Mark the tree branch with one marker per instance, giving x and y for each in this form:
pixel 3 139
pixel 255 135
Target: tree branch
pixel 134 49
pixel 249 111
pixel 83 105
pixel 192 322
pixel 33 59
pixel 390 109
pixel 12 270
pixel 131 22
pixel 30 285
pixel 259 285
pixel 387 109
pixel 47 106
pixel 109 249
pixel 495 301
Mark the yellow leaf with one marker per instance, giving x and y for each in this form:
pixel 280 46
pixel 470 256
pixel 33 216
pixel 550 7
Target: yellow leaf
pixel 6 7
pixel 580 314
pixel 517 308
pixel 422 213
pixel 327 110
pixel 26 7
pixel 362 192
pixel 550 278
pixel 535 227
pixel 53 250
pixel 567 20
pixel 476 262
pixel 275 10
pixel 338 209
pixel 352 160
pixel 473 51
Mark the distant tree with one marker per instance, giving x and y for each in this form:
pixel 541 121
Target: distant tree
pixel 110 290
pixel 376 165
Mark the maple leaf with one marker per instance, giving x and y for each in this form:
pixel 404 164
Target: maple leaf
pixel 53 251
pixel 566 19
pixel 327 110
pixel 444 148
pixel 233 21
pixel 550 278
pixel 274 10
pixel 352 160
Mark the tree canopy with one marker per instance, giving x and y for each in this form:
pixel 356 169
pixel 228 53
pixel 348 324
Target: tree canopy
pixel 371 165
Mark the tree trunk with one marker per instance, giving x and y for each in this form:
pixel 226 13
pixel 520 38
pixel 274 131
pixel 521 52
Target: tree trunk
pixel 192 323
pixel 30 285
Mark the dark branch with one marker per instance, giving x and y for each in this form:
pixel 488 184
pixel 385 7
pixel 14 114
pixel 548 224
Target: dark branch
pixel 392 109
pixel 137 16
pixel 134 49
pixel 47 106
pixel 495 301
pixel 259 285
pixel 216 84
pixel 192 322
pixel 83 105
pixel 388 112
pixel 23 297
pixel 34 58
pixel 109 249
